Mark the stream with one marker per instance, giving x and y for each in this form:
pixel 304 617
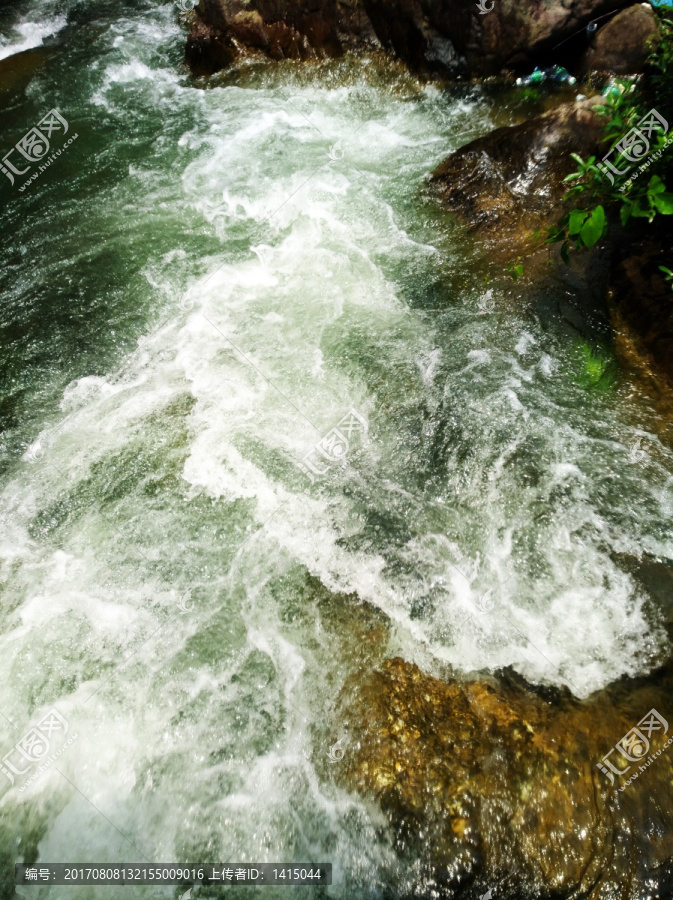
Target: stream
pixel 245 353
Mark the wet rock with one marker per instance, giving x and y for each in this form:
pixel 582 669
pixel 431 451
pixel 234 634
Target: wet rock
pixel 446 36
pixel 622 45
pixel 494 784
pixel 509 183
pixel 520 35
pixel 639 294
pixel 17 71
pixel 225 30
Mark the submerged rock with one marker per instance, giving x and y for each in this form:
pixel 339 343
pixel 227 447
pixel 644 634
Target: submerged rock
pixel 447 36
pixel 18 70
pixel 494 784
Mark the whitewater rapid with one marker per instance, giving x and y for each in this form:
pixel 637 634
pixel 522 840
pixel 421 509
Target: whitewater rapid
pixel 290 268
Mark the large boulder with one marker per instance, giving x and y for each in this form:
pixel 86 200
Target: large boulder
pixel 449 36
pixel 223 31
pixel 510 183
pixel 623 44
pixel 494 784
pixel 516 34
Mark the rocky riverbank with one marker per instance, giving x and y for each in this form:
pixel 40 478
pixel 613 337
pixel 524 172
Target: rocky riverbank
pixel 488 782
pixel 451 37
pixel 508 184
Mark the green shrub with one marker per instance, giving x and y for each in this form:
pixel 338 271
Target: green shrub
pixel 596 196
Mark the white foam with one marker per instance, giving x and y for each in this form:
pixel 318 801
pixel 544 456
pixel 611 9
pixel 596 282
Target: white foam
pixel 481 474
pixel 305 287
pixel 32 34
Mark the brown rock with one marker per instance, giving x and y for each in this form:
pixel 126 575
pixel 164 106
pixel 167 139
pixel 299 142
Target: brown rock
pixel 494 783
pixel 622 46
pixel 225 30
pixel 522 34
pixel 448 36
pixel 509 183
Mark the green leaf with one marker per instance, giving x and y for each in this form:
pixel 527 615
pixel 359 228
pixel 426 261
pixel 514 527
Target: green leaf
pixel 575 189
pixel 593 228
pixel 625 213
pixel 565 253
pixel 577 219
pixel 656 185
pixel 664 203
pixel 638 212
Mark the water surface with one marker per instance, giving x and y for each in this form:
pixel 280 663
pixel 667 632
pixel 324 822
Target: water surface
pixel 193 295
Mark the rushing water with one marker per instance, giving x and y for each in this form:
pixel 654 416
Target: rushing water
pixel 195 292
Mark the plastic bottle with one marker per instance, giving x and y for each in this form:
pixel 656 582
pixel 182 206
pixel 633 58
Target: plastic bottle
pixel 557 75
